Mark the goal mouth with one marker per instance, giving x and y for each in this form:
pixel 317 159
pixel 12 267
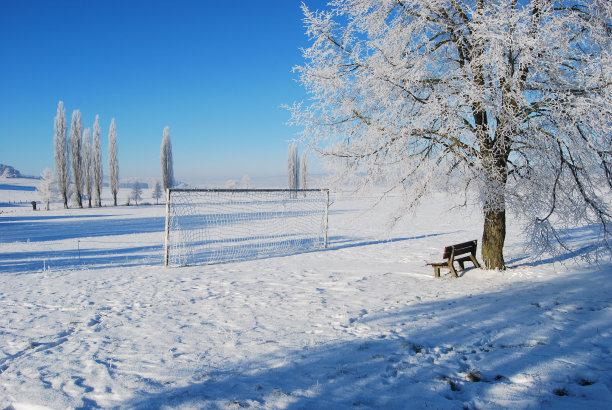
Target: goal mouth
pixel 206 226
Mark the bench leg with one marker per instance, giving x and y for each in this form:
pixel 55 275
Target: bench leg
pixel 436 271
pixel 474 261
pixel 452 269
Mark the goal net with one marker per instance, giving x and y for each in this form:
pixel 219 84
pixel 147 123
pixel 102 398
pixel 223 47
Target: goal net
pixel 222 225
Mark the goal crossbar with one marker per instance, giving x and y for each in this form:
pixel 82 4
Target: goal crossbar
pixel 222 225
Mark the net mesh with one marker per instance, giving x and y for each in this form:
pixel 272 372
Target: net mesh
pixel 212 226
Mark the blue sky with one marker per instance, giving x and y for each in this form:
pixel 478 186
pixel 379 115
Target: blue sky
pixel 215 72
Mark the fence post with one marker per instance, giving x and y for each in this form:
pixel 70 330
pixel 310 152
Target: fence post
pixel 326 216
pixel 167 239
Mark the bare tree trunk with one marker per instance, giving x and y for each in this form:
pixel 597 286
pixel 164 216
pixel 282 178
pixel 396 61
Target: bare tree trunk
pixel 493 239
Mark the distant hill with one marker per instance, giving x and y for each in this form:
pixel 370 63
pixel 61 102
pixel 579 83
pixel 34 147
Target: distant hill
pixel 9 172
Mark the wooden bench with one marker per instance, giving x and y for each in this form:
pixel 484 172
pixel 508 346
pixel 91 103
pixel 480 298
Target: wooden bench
pixel 451 253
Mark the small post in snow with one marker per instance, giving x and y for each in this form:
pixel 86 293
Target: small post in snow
pixel 167 240
pixel 326 217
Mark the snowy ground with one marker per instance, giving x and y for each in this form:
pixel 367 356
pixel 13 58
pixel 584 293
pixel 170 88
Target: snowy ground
pixel 90 318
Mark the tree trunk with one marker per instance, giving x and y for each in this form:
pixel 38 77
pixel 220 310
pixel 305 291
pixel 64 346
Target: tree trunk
pixel 494 233
pixel 493 239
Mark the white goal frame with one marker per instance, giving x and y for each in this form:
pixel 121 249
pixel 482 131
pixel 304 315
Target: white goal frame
pixel 278 198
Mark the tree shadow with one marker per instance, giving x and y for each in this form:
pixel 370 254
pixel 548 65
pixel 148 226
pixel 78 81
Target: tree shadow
pixel 92 258
pixel 531 345
pixel 11 187
pixel 579 243
pixel 50 229
pixel 83 246
pixel 43 217
pixel 345 242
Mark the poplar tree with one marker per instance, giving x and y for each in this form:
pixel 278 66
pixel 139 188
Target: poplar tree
pixel 87 165
pixel 167 166
pixel 293 167
pixel 304 171
pixel 97 162
pixel 76 131
pixel 113 164
pixel 62 169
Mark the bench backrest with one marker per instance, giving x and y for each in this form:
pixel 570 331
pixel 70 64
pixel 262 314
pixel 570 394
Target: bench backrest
pixel 460 249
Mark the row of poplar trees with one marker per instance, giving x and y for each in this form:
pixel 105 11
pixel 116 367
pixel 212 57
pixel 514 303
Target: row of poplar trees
pixel 76 150
pixel 297 171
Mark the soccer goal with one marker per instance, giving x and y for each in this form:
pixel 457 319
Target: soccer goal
pixel 221 225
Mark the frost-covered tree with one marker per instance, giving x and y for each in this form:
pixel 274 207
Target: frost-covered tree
pixel 246 181
pixel 136 192
pixel 46 187
pixel 113 164
pixel 304 171
pixel 508 98
pixel 62 167
pixel 157 192
pixel 76 131
pixel 97 162
pixel 166 161
pixel 293 167
pixel 87 165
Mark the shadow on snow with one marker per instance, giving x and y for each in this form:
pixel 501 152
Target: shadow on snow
pixel 75 228
pixel 448 353
pixel 32 262
pixel 583 242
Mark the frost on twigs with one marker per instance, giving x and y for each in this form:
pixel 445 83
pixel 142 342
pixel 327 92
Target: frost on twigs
pixel 507 103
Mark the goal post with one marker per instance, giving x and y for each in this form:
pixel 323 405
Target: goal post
pixel 220 225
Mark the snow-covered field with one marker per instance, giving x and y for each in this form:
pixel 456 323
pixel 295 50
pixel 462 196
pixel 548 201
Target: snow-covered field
pixel 90 318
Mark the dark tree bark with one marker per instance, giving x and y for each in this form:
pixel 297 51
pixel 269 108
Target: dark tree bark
pixel 493 239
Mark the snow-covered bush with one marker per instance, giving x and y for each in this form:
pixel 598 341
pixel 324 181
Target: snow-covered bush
pixel 46 189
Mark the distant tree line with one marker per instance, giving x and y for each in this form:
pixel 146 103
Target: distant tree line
pixel 75 151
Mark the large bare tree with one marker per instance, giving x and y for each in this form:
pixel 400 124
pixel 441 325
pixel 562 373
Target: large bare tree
pixel 509 99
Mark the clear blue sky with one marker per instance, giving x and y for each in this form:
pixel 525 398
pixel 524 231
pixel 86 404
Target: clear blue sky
pixel 215 72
